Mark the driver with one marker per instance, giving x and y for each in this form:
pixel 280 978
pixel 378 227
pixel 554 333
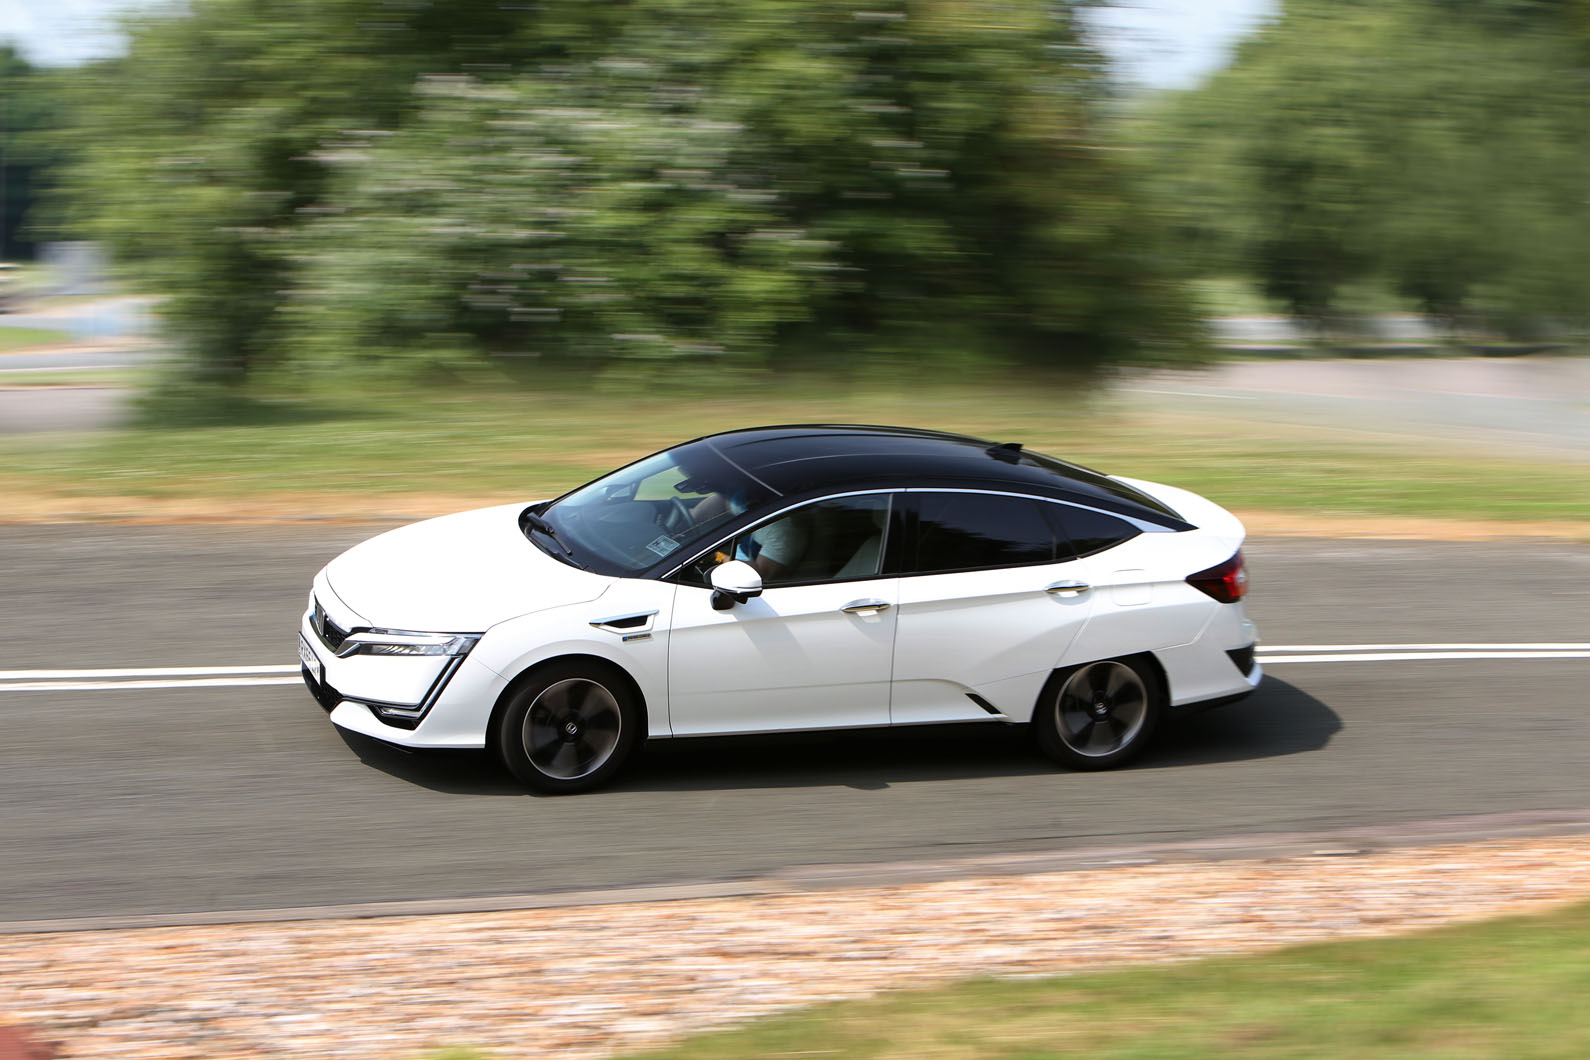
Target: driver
pixel 773 549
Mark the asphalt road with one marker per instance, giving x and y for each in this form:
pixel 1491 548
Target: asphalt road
pixel 165 801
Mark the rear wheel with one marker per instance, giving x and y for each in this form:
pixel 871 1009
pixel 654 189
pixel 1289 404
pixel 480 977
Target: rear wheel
pixel 1100 714
pixel 570 728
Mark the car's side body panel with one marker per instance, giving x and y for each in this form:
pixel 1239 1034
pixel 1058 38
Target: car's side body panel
pixel 792 658
pixel 975 631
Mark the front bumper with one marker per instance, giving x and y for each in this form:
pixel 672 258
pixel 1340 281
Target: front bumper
pixel 424 702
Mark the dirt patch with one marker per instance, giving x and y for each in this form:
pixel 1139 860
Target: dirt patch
pixel 1392 527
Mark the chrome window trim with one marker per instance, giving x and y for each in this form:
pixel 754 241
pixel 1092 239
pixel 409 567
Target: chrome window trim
pixel 750 527
pixel 1142 525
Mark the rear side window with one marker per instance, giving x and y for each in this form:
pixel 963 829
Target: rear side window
pixel 974 531
pixel 1089 531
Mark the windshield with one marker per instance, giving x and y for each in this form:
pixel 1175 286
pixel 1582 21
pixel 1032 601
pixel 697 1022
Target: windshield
pixel 641 514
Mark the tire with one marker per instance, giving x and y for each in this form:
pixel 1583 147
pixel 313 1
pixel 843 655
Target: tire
pixel 570 728
pixel 1099 715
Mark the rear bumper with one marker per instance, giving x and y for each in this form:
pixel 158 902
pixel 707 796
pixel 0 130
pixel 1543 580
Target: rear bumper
pixel 1184 710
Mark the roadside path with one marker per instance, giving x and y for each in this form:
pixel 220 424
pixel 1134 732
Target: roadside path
pixel 588 982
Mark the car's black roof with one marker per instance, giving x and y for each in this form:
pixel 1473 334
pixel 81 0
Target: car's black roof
pixel 800 460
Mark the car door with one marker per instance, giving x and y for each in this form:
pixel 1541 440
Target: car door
pixel 985 606
pixel 814 650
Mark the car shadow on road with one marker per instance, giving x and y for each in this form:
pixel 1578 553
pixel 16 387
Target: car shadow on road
pixel 449 772
pixel 1279 719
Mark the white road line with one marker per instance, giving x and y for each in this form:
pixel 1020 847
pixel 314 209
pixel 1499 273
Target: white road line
pixel 101 686
pixel 1187 393
pixel 156 671
pixel 165 677
pixel 1407 656
pixel 1420 647
pixel 65 368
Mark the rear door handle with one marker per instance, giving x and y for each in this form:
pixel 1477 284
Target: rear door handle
pixel 1067 588
pixel 865 607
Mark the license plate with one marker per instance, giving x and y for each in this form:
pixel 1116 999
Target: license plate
pixel 306 655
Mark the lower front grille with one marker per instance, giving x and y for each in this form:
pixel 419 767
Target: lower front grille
pixel 324 694
pixel 1243 657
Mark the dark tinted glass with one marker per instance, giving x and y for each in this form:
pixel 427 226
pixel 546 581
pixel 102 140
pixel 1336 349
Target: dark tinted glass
pixel 834 540
pixel 969 531
pixel 1090 531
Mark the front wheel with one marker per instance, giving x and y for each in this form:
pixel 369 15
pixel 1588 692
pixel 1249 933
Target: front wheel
pixel 1100 715
pixel 570 728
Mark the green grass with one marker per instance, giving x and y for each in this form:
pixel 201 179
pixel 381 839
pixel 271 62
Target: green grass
pixel 508 442
pixel 1512 989
pixel 12 339
pixel 121 378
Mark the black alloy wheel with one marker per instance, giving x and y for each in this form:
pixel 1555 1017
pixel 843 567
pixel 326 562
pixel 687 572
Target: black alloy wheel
pixel 570 728
pixel 1099 714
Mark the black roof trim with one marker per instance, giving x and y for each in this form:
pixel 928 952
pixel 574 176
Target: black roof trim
pixel 801 459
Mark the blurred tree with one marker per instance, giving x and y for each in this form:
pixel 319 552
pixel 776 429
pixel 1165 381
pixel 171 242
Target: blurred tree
pixel 1440 146
pixel 636 179
pixel 31 101
pixel 199 148
pixel 755 180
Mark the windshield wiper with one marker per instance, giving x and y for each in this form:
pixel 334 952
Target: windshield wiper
pixel 535 522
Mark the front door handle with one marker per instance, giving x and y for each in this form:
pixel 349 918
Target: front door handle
pixel 865 607
pixel 1067 588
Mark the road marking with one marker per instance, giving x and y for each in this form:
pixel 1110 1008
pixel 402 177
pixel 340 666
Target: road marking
pixel 146 678
pixel 1411 656
pixel 101 686
pixel 66 368
pixel 156 671
pixel 1187 393
pixel 1421 647
pixel 169 677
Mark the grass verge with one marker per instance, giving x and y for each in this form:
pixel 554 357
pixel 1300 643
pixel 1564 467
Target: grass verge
pixel 1501 990
pixel 12 339
pixel 360 453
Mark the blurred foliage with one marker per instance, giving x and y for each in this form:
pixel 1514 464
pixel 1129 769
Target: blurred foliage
pixel 746 182
pixel 1441 146
pixel 199 147
pixel 31 103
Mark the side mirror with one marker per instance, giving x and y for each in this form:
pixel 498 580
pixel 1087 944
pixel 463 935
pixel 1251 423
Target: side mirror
pixel 734 582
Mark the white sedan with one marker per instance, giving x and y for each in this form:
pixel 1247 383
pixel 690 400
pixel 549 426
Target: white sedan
pixel 789 578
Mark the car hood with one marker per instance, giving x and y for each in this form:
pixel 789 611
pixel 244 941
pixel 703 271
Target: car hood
pixel 460 573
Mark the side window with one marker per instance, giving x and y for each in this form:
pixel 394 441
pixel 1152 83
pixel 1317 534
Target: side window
pixel 972 531
pixel 1090 531
pixel 835 540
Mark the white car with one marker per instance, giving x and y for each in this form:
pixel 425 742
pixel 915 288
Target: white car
pixel 789 578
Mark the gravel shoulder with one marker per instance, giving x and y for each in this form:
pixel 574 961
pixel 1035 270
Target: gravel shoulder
pixel 591 981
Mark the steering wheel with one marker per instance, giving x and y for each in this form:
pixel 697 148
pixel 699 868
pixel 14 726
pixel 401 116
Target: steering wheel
pixel 676 516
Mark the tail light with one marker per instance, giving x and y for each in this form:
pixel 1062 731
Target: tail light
pixel 1226 582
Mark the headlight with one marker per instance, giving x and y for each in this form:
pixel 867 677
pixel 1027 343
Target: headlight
pixel 403 642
